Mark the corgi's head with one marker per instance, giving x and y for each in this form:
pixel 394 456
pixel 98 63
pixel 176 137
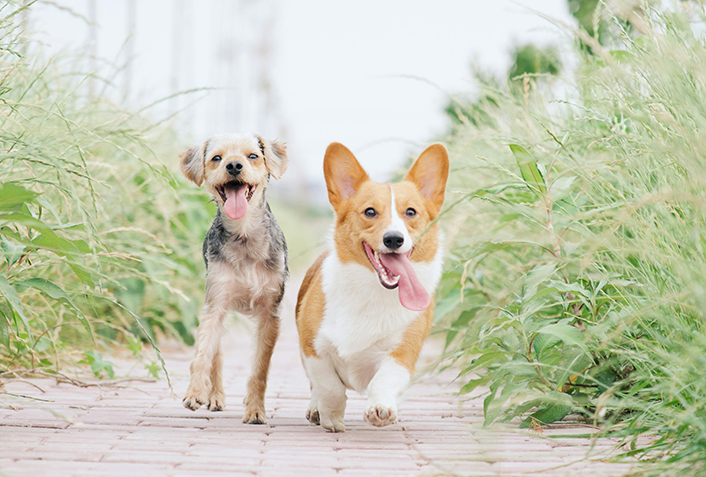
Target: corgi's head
pixel 235 169
pixel 385 227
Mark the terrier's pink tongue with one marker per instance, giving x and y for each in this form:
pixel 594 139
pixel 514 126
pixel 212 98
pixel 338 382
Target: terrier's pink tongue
pixel 236 204
pixel 413 295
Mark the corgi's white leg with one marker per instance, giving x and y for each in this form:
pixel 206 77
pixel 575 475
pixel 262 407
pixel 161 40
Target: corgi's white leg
pixel 384 392
pixel 312 412
pixel 328 394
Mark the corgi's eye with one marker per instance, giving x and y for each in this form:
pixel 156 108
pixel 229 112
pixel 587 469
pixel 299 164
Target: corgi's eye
pixel 252 156
pixel 370 213
pixel 216 158
pixel 410 212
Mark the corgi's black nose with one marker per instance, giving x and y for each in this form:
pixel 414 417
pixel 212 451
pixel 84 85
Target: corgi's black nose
pixel 393 240
pixel 234 168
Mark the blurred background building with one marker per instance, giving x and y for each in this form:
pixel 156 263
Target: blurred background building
pixel 374 75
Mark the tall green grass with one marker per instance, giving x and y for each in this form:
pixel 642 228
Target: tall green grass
pixel 577 276
pixel 100 243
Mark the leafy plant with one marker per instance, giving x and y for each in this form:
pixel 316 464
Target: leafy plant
pixel 575 279
pixel 99 242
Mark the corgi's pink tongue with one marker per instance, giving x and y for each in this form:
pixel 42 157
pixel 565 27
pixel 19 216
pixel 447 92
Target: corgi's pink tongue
pixel 236 203
pixel 413 295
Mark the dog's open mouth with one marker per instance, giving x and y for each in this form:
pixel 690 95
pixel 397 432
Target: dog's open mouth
pixel 235 196
pixel 395 270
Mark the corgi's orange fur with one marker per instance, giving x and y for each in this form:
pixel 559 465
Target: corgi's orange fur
pixel 365 306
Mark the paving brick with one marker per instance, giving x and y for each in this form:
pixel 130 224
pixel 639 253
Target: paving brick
pixel 142 429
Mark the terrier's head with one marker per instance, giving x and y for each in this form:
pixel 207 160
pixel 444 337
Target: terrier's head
pixel 235 169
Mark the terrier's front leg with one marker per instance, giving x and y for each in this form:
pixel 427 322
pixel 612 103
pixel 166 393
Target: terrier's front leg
pixel 217 398
pixel 208 342
pixel 267 333
pixel 384 391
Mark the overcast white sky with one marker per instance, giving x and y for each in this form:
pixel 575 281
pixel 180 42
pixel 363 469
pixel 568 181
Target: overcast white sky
pixel 372 74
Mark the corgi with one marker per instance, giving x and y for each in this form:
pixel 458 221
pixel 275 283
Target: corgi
pixel 366 305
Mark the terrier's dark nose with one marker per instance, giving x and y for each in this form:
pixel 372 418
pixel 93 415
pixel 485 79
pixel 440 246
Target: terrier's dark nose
pixel 234 168
pixel 393 240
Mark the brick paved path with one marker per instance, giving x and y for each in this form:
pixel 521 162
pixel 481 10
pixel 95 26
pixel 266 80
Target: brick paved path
pixel 142 430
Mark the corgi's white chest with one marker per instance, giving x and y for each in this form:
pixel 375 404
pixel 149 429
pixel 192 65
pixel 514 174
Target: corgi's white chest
pixel 364 321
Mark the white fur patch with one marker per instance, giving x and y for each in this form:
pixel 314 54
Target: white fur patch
pixel 398 225
pixel 389 383
pixel 363 321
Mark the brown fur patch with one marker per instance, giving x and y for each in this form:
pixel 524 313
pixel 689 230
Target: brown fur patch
pixel 407 352
pixel 310 307
pixel 343 174
pixel 430 173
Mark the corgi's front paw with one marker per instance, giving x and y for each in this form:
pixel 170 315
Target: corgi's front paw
pixel 333 423
pixel 312 415
pixel 380 415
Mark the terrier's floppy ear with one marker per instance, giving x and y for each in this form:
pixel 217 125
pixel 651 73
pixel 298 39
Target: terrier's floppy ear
pixel 343 173
pixel 275 153
pixel 430 172
pixel 192 163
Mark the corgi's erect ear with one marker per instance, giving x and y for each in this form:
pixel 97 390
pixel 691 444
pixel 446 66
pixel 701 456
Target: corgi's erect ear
pixel 275 153
pixel 192 163
pixel 343 173
pixel 430 172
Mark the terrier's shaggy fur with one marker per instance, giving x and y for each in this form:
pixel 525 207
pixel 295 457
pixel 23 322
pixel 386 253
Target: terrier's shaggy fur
pixel 246 260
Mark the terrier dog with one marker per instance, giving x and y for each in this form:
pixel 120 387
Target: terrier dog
pixel 365 307
pixel 246 261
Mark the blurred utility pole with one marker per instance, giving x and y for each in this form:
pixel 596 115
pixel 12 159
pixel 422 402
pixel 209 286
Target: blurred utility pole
pixel 131 21
pixel 92 44
pixel 26 28
pixel 178 29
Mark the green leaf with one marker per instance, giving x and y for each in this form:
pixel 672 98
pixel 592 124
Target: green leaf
pixel 4 329
pixel 561 188
pixel 134 345
pixel 535 277
pixel 566 333
pixel 149 338
pixel 153 368
pixel 14 301
pixel 622 56
pixel 13 195
pixel 98 364
pixel 528 169
pixel 543 342
pixel 487 358
pixel 474 383
pixel 46 286
pixel 48 239
pixel 547 414
pixel 12 251
pixel 58 293
pixel 83 274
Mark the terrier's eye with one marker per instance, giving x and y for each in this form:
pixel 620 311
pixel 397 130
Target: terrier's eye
pixel 216 158
pixel 370 213
pixel 252 156
pixel 410 212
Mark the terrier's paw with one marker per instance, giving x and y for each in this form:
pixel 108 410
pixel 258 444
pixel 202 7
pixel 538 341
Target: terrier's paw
pixel 380 416
pixel 254 416
pixel 312 415
pixel 333 424
pixel 195 398
pixel 217 401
